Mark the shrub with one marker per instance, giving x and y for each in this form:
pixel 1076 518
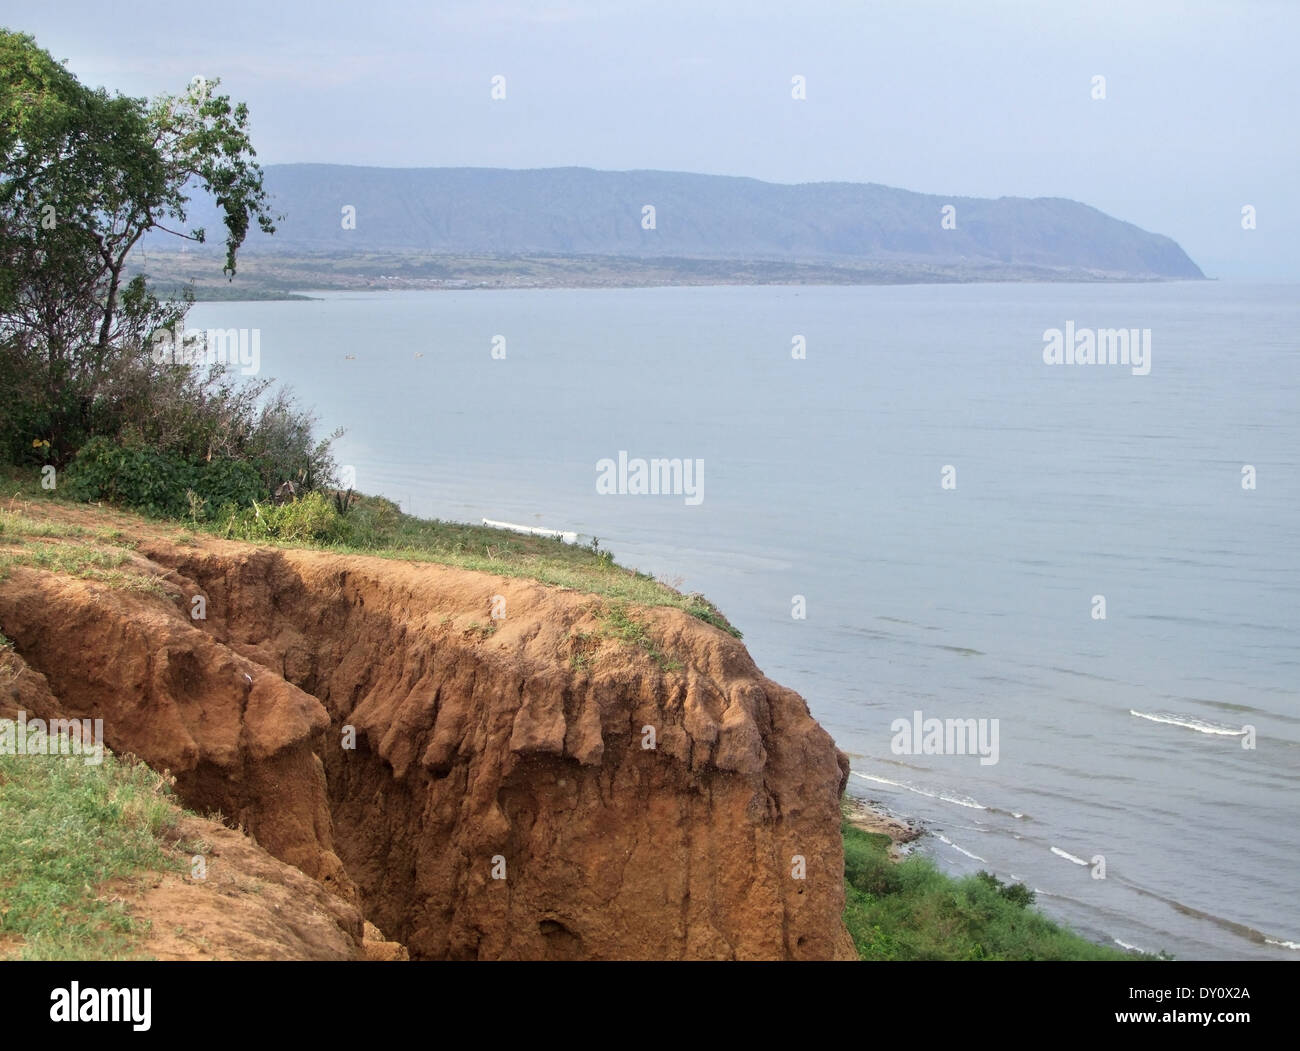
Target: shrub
pixel 867 864
pixel 280 442
pixel 159 483
pixel 1016 893
pixel 311 519
pixel 144 479
pixel 223 481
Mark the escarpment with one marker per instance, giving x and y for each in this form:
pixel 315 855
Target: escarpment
pixel 526 786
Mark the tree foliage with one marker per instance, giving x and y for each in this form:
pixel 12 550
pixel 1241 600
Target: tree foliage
pixel 84 175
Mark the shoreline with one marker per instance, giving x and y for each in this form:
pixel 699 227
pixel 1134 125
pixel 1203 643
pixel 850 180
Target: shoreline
pixel 268 274
pixel 867 815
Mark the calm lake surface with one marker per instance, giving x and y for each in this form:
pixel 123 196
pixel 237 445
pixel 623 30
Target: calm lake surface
pixel 823 479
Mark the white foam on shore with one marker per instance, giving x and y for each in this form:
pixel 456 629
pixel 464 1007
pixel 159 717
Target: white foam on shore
pixel 965 801
pixel 959 850
pixel 1189 722
pixel 1068 857
pixel 1132 948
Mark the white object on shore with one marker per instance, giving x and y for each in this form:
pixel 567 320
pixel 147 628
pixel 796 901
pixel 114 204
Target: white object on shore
pixel 567 537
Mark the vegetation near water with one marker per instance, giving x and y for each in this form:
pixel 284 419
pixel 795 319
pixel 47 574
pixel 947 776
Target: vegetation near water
pixel 909 910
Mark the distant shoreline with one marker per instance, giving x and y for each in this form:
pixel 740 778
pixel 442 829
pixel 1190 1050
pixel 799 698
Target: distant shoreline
pixel 272 276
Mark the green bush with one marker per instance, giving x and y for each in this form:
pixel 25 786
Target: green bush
pixel 867 865
pixel 311 519
pixel 226 481
pixel 156 483
pixel 1016 893
pixel 143 479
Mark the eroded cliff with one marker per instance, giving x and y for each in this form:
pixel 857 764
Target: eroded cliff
pixel 527 786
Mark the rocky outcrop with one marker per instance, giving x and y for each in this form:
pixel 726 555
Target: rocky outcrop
pixel 523 787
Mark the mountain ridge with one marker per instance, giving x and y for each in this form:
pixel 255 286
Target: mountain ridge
pixel 576 211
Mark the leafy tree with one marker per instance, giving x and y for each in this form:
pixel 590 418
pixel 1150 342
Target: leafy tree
pixel 83 176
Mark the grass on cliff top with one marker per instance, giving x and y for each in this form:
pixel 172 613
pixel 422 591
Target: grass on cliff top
pixel 75 551
pixel 371 525
pixel 909 910
pixel 67 830
pixel 375 526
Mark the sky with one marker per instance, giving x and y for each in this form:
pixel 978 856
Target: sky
pixel 983 98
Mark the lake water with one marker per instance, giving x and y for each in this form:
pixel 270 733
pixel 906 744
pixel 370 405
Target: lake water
pixel 824 478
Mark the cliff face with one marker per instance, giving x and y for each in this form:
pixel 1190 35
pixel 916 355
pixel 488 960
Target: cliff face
pixel 492 789
pixel 247 906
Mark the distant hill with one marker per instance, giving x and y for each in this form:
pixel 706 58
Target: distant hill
pixel 582 212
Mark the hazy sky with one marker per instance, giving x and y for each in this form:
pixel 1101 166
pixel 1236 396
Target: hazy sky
pixel 988 98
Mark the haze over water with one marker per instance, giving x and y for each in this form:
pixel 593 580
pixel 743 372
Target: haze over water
pixel 822 479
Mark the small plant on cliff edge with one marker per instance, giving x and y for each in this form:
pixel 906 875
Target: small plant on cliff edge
pixel 606 557
pixel 581 646
pixel 308 520
pixel 483 631
pixel 700 607
pixel 622 625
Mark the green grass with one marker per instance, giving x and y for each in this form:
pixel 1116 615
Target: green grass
pixel 621 624
pixel 67 829
pixel 909 910
pixel 375 526
pixel 13 524
pixel 581 648
pixel 483 631
pixel 74 559
pixel 78 561
pixel 92 554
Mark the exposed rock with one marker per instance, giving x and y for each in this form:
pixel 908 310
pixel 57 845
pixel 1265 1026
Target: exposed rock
pixel 377 947
pixel 248 906
pixel 498 803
